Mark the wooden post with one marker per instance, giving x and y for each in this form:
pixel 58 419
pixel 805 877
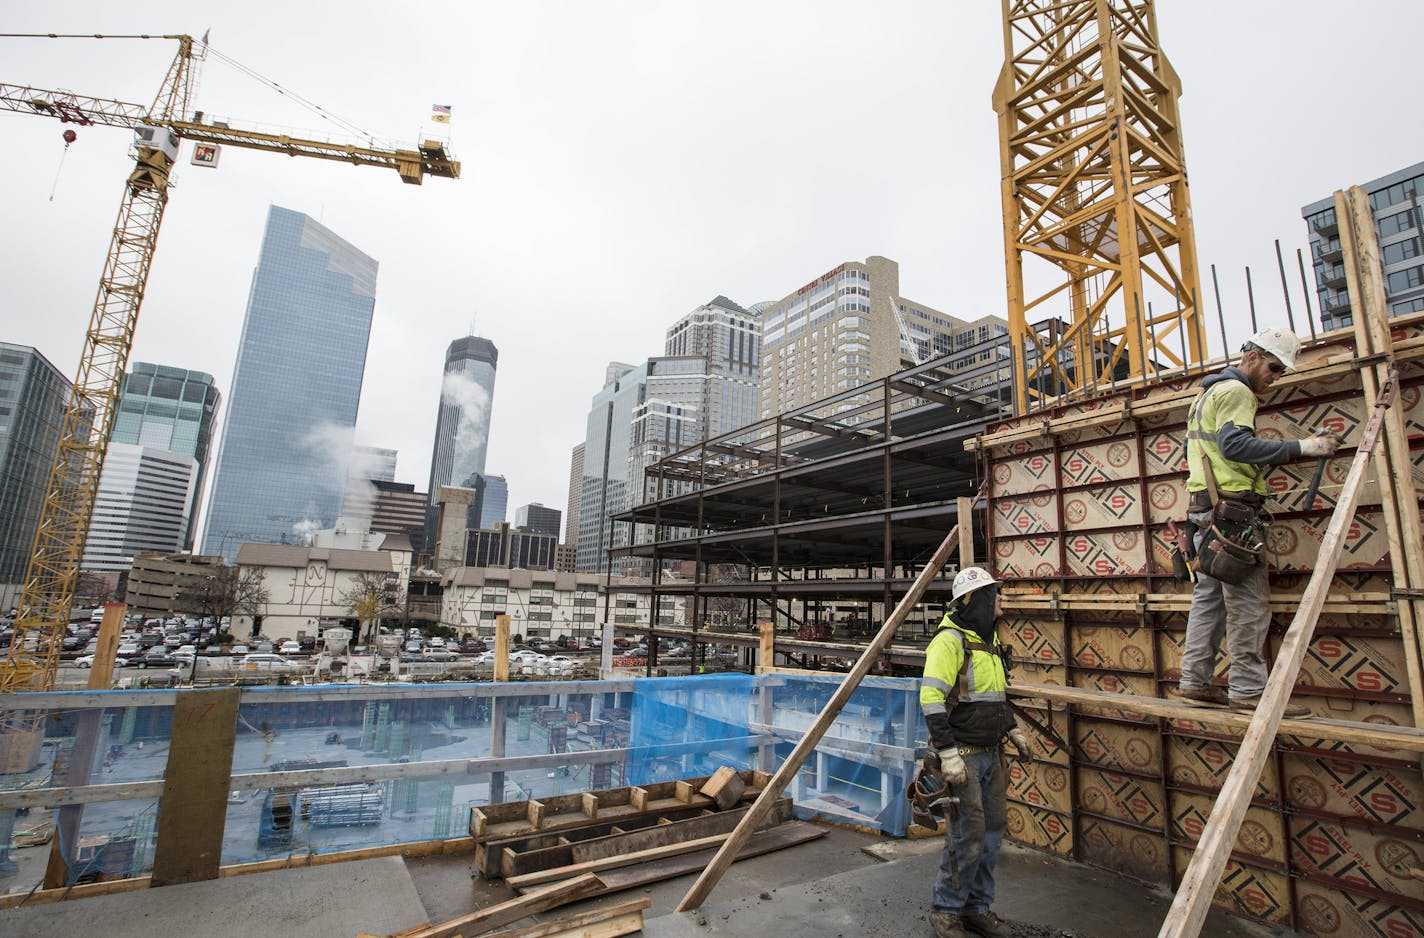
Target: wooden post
pixel 86 746
pixel 1193 898
pixel 964 511
pixel 193 812
pixel 759 809
pixel 499 705
pixel 1398 498
pixel 766 651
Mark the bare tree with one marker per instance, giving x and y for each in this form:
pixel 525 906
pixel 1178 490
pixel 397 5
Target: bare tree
pixel 370 596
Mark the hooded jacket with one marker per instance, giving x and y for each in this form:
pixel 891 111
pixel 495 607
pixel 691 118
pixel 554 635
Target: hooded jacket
pixel 1221 429
pixel 964 706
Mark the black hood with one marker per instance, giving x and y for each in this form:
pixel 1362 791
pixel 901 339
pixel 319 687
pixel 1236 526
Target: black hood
pixel 976 612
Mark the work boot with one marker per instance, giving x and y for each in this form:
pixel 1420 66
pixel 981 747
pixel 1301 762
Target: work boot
pixel 947 925
pixel 987 924
pixel 1248 704
pixel 1211 694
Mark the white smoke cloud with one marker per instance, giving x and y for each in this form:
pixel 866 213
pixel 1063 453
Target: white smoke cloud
pixel 471 434
pixel 347 467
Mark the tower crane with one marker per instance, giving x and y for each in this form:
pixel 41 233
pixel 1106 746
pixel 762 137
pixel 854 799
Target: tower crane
pixel 48 593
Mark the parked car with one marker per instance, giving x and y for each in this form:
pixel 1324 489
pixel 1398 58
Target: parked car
pixel 87 661
pixel 436 642
pixel 264 661
pixel 237 650
pixel 413 647
pixel 473 646
pixel 129 650
pixel 290 647
pixel 156 657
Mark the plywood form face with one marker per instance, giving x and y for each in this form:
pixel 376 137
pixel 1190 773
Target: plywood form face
pixel 1139 854
pixel 1040 786
pixel 1107 745
pixel 1129 798
pixel 1355 788
pixel 1040 828
pixel 1202 763
pixel 1321 910
pixel 1247 890
pixel 1362 857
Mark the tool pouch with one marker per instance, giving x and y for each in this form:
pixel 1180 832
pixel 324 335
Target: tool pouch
pixel 1233 547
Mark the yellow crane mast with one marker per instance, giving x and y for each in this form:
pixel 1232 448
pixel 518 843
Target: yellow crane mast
pixel 1094 187
pixel 48 593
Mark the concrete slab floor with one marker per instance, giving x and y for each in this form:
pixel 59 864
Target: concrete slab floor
pixel 832 888
pixel 335 901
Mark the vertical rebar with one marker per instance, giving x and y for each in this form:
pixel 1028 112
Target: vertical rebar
pixel 1285 288
pixel 1152 328
pixel 1141 332
pixel 1220 317
pixel 1251 298
pixel 1181 325
pixel 1304 288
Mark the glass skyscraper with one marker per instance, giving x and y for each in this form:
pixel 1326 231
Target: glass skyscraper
pixel 607 485
pixel 170 409
pixel 494 500
pixel 462 424
pixel 33 394
pixel 143 505
pixel 296 389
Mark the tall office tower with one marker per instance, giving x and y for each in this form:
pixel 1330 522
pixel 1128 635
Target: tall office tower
pixel 728 339
pixel 846 327
pixel 494 500
pixel 144 505
pixel 606 479
pixel 170 409
pixel 367 466
pixel 296 388
pixel 33 395
pixel 1398 204
pixel 534 518
pixel 462 424
pixel 571 514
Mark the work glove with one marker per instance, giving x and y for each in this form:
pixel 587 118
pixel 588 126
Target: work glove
pixel 1323 443
pixel 952 767
pixel 1019 740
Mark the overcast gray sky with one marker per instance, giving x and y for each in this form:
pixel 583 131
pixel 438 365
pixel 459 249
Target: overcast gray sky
pixel 624 162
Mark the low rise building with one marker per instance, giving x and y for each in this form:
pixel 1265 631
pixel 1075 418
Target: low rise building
pixel 309 589
pixel 545 604
pixel 165 585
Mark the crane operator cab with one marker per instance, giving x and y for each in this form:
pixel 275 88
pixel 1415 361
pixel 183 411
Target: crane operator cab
pixel 147 136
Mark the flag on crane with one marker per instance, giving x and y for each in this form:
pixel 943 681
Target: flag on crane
pixel 440 113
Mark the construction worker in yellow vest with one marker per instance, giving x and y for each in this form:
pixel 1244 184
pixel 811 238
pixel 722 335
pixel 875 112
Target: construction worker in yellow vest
pixel 1226 490
pixel 964 698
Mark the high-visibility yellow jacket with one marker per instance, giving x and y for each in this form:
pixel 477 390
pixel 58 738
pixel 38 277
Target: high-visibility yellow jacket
pixel 1221 429
pixel 964 705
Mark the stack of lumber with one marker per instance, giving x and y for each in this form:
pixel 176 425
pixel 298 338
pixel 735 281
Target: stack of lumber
pixel 572 847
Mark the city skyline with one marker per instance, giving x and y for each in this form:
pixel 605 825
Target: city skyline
pixel 602 228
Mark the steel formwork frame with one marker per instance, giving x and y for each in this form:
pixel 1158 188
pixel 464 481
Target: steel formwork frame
pixel 1094 185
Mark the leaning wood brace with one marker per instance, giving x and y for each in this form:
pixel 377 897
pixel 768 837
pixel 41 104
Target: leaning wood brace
pixel 1193 898
pixel 710 876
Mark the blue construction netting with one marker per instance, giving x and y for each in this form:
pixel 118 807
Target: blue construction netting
pixel 411 766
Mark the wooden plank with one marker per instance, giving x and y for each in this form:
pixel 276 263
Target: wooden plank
pixel 964 514
pixel 516 864
pixel 556 873
pixel 778 838
pixel 1406 738
pixel 512 910
pixel 1364 277
pixel 725 788
pixel 491 856
pixel 1198 886
pixel 626 918
pixel 193 812
pixel 728 851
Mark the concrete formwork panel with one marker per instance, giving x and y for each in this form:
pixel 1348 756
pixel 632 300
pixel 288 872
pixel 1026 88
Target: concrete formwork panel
pixel 1079 499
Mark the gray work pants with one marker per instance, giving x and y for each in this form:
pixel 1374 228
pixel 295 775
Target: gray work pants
pixel 1242 613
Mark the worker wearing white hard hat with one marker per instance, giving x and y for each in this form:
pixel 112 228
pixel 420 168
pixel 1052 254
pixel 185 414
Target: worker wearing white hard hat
pixel 1226 490
pixel 963 695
